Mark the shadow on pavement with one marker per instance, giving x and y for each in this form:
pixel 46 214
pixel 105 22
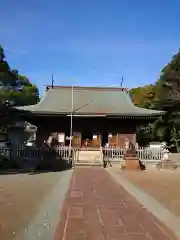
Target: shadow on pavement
pixel 45 165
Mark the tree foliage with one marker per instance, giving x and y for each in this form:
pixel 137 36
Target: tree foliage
pixel 168 85
pixel 15 87
pixel 163 95
pixel 143 96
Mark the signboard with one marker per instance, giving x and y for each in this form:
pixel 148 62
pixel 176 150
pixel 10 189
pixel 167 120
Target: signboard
pixel 94 136
pixel 61 137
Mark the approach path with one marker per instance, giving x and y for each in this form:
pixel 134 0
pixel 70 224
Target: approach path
pixel 98 208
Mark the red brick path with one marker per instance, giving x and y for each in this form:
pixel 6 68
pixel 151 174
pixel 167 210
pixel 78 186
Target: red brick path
pixel 98 208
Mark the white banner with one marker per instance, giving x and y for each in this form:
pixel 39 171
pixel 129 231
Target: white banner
pixel 61 137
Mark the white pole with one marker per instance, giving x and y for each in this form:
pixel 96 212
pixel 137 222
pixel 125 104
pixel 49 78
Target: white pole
pixel 71 124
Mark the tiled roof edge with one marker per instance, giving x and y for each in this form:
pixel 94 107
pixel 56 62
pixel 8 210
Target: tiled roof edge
pixel 98 88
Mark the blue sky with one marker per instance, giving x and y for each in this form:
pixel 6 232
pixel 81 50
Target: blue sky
pixel 95 41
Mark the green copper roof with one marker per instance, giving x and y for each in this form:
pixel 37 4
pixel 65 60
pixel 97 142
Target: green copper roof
pixel 97 101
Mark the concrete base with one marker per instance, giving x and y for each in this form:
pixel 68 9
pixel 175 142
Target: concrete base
pixel 166 164
pixel 132 164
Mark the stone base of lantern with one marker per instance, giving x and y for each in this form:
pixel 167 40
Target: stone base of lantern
pixel 131 162
pixel 168 164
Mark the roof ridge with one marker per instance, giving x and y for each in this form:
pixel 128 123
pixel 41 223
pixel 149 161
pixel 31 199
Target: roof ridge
pixel 101 88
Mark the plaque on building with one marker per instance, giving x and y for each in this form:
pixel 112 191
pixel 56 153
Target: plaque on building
pixel 61 137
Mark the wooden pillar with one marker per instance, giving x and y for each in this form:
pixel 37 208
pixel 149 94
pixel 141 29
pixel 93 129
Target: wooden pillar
pixel 117 140
pixel 134 139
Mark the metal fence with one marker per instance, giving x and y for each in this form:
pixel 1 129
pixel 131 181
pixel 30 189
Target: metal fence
pixel 143 153
pixel 33 157
pixel 150 153
pixel 63 152
pixel 36 152
pixel 58 152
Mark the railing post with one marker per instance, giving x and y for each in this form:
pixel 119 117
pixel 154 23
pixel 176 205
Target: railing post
pixel 73 156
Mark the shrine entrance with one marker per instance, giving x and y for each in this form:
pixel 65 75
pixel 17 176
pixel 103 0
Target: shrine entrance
pixel 87 138
pixel 90 139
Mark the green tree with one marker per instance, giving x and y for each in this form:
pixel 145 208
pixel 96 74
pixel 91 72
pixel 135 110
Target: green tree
pixel 143 96
pixel 15 87
pixel 4 66
pixel 163 95
pixel 168 85
pixel 167 97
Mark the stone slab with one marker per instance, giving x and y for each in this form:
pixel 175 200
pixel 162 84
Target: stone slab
pixel 43 225
pixel 171 221
pixel 109 211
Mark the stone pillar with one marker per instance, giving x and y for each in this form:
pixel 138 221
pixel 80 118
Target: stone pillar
pixel 131 158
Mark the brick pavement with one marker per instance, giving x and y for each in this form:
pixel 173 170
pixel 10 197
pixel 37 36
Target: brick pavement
pixel 98 208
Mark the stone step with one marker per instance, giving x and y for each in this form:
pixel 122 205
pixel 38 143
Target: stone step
pixel 89 152
pixel 89 155
pixel 89 158
pixel 87 164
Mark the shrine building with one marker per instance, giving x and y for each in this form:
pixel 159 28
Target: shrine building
pixel 99 115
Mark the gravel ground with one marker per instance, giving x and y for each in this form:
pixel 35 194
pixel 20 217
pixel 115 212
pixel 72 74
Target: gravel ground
pixel 162 185
pixel 21 196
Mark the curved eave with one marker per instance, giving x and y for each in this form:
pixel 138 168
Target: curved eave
pixel 85 115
